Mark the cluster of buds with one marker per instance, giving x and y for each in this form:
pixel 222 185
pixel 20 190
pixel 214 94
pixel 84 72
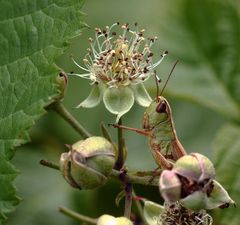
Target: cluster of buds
pixel 119 61
pixel 88 163
pixel 191 182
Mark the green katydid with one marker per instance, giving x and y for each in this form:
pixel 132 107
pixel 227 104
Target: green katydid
pixel 158 126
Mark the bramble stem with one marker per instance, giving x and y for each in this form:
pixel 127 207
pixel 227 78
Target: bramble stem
pixel 128 200
pixel 77 216
pixel 49 164
pixel 130 177
pixel 59 108
pixel 120 160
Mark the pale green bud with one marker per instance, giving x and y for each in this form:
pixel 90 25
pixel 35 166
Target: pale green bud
pixel 89 163
pixel 191 182
pixel 110 220
pixel 195 166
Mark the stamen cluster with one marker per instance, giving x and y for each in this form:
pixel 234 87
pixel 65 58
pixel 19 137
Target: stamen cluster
pixel 119 60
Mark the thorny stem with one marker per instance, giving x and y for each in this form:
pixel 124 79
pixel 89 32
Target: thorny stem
pixel 59 108
pixel 120 160
pixel 128 200
pixel 129 177
pixel 77 216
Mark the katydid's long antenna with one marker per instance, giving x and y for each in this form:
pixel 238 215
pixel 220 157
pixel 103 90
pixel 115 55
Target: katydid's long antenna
pixel 169 76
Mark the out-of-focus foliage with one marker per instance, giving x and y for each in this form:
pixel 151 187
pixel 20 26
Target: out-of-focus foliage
pixel 226 152
pixel 203 92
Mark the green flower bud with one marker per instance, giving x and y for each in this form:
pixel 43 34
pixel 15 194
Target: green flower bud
pixel 123 221
pixel 195 166
pixel 89 163
pixel 170 186
pixel 110 220
pixel 105 220
pixel 191 183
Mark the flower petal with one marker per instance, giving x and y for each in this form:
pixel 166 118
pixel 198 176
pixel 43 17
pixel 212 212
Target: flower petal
pixel 118 100
pixel 152 212
pixel 141 95
pixel 93 99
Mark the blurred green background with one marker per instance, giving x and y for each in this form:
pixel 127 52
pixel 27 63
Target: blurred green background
pixel 204 94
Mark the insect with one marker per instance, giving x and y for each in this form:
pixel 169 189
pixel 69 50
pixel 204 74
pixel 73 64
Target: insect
pixel 158 126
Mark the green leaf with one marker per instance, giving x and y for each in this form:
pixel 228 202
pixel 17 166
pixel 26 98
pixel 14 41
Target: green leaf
pixel 226 159
pixel 141 95
pixel 32 35
pixel 93 99
pixel 205 36
pixel 151 213
pixel 7 191
pixel 118 100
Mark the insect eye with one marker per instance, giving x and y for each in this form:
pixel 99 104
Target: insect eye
pixel 162 106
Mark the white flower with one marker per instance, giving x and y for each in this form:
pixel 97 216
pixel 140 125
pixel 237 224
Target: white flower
pixel 117 66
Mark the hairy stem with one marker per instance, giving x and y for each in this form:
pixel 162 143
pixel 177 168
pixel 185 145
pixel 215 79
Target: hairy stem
pixel 77 216
pixel 128 200
pixel 59 108
pixel 120 160
pixel 130 177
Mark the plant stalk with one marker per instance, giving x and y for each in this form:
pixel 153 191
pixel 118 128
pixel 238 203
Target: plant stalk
pixel 128 200
pixel 77 216
pixel 59 108
pixel 49 164
pixel 130 177
pixel 139 208
pixel 120 160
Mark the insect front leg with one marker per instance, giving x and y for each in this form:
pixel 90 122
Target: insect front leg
pixel 139 131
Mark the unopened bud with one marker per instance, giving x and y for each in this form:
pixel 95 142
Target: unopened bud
pixel 110 220
pixel 195 166
pixel 88 163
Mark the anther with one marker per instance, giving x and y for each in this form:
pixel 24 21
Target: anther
pixel 150 54
pixel 165 52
